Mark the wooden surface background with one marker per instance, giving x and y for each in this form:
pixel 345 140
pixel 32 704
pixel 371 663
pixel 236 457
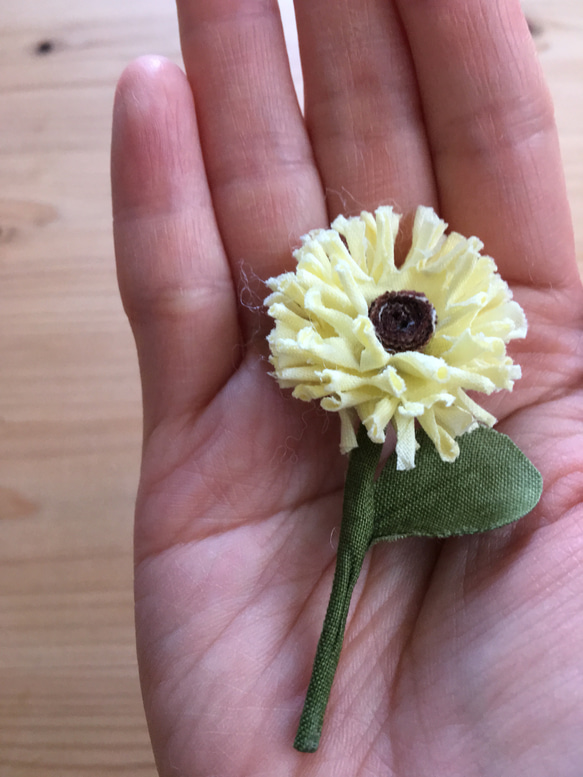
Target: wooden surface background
pixel 69 394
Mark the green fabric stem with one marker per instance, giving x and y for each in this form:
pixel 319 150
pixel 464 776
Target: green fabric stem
pixel 356 535
pixel 492 483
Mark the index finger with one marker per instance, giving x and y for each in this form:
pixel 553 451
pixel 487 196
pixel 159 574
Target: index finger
pixel 258 158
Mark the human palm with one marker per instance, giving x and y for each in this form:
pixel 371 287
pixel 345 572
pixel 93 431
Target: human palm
pixel 460 657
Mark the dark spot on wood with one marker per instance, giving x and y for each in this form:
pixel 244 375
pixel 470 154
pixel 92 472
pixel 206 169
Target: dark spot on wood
pixel 536 29
pixel 44 47
pixel 18 215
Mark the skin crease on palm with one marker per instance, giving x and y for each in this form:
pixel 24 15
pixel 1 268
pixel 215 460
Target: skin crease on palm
pixel 461 658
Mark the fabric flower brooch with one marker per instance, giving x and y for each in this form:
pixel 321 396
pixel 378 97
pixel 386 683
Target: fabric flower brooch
pixel 385 345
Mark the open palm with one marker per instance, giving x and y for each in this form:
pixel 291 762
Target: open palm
pixel 461 657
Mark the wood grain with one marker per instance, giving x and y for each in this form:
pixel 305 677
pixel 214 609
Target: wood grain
pixel 69 394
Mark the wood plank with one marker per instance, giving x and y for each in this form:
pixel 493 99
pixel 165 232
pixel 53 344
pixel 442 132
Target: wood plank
pixel 69 394
pixel 69 399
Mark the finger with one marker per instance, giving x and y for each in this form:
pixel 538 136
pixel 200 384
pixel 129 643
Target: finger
pixel 265 185
pixel 492 133
pixel 362 106
pixel 174 278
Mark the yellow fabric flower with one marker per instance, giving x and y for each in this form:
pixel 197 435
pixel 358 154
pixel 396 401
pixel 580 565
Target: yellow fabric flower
pixel 391 345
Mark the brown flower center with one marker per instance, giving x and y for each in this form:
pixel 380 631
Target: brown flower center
pixel 403 320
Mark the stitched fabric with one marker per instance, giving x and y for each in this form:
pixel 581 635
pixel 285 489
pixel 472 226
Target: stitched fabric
pixel 492 483
pixel 356 534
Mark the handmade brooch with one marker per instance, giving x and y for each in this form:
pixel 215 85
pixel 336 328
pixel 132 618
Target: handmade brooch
pixel 384 345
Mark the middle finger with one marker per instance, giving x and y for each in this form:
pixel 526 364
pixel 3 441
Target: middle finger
pixel 362 106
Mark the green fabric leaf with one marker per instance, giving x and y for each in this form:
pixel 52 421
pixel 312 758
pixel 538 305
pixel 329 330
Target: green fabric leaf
pixel 490 484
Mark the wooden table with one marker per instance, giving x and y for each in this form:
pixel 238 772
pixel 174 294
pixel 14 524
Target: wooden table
pixel 69 394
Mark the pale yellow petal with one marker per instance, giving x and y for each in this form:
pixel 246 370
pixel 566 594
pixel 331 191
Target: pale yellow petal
pixel 347 399
pixel 289 318
pixel 406 443
pixel 421 365
pixel 348 419
pixel 390 381
pixel 352 290
pixel 467 347
pixel 478 412
pixel 373 355
pixel 454 420
pixel 447 447
pixel 325 295
pixel 428 231
pixel 377 416
pixel 338 322
pixel 387 224
pixel 354 232
pixel 332 243
pixel 334 351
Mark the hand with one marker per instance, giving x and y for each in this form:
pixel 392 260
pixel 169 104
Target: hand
pixel 463 657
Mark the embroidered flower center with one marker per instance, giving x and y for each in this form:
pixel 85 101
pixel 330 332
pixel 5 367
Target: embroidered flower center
pixel 403 320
